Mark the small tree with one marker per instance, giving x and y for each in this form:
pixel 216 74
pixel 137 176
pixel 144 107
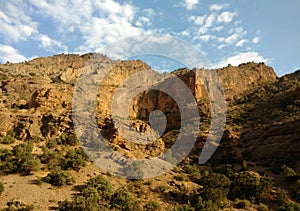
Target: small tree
pixel 30 165
pixel 216 188
pixel 58 177
pixel 124 201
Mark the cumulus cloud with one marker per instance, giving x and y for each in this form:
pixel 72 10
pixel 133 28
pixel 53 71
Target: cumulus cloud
pixel 256 40
pixel 226 17
pixel 99 22
pixel 210 19
pixel 218 7
pixel 241 43
pixel 143 21
pixel 207 22
pixel 8 53
pixel 239 58
pixel 149 12
pixel 220 47
pixel 207 37
pixel 190 4
pixel 218 28
pixel 236 34
pixel 198 20
pixel 211 28
pixel 50 44
pixel 15 24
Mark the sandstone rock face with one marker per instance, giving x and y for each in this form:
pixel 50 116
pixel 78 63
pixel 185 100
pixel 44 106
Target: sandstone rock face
pixel 233 80
pixel 236 80
pixel 36 96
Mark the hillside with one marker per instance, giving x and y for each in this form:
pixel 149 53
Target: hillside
pixel 42 164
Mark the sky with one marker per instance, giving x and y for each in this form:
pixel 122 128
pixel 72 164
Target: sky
pixel 226 32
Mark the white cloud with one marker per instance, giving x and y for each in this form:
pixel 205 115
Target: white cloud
pixel 100 23
pixel 256 40
pixel 206 23
pixel 149 12
pixel 218 28
pixel 220 47
pixel 8 53
pixel 217 7
pixel 210 19
pixel 15 24
pixel 231 39
pixel 207 37
pixel 241 43
pixel 226 17
pixel 143 21
pixel 185 33
pixel 236 33
pixel 51 44
pixel 221 39
pixel 190 4
pixel 239 58
pixel 198 20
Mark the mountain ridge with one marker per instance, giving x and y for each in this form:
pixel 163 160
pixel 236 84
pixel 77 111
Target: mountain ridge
pixel 262 111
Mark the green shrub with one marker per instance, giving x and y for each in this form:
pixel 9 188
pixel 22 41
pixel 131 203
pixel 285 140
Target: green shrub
pixel 290 206
pixel 51 143
pixel 263 207
pixel 17 206
pixel 19 160
pixel 58 177
pixel 22 152
pixel 180 193
pixel 7 139
pixel 95 196
pixel 184 207
pixel 30 165
pixel 296 190
pixel 24 158
pixel 282 196
pixel 288 172
pixel 70 140
pixel 3 77
pixel 160 189
pixel 1 188
pixel 216 188
pixel 71 159
pixel 74 159
pixel 80 203
pixel 152 206
pixel 192 172
pixel 102 186
pixel 248 185
pixel 47 155
pixel 7 164
pixel 205 205
pixel 124 201
pixel 181 177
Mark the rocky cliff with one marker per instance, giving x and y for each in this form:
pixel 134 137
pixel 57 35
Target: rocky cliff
pixel 36 96
pixel 261 133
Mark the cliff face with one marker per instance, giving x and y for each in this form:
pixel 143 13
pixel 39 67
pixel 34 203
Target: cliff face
pixel 235 81
pixel 36 96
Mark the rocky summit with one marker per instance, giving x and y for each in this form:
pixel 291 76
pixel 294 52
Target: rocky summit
pixel 255 167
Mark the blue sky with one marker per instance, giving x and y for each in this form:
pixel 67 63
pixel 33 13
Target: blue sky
pixel 225 32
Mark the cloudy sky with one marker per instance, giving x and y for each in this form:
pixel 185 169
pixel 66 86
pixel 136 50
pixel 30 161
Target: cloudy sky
pixel 225 31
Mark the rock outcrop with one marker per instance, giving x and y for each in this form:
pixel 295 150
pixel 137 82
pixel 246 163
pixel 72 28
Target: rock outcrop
pixel 36 96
